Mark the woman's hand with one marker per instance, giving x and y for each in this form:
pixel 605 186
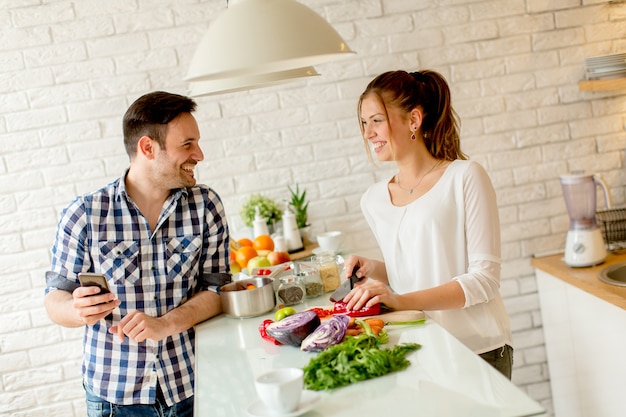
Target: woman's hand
pixel 370 292
pixel 368 268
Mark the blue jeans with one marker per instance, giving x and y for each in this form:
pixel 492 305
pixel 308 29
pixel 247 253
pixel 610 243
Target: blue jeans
pixel 97 407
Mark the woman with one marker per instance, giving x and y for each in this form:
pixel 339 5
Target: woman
pixel 435 221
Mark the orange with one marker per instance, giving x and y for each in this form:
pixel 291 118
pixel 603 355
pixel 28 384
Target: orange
pixel 244 255
pixel 263 242
pixel 244 241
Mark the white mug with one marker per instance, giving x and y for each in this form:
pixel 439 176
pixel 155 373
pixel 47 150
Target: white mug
pixel 330 241
pixel 280 389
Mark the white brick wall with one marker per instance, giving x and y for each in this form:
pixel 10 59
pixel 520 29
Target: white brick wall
pixel 68 71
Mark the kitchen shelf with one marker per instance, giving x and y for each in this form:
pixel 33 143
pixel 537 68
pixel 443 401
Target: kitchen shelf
pixel 602 85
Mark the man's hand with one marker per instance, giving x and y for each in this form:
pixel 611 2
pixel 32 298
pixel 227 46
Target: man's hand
pixel 139 327
pixel 91 306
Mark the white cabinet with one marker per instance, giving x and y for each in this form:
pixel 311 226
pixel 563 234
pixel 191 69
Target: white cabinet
pixel 586 347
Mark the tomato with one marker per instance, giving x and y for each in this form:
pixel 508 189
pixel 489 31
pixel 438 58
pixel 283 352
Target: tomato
pixel 264 272
pixel 284 312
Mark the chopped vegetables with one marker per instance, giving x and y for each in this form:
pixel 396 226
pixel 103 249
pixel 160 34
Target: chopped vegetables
pixel 354 329
pixel 340 308
pixel 322 313
pixel 356 359
pixel 327 334
pixel 293 329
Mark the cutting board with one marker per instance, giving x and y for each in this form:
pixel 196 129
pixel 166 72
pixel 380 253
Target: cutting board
pixel 392 316
pixel 400 315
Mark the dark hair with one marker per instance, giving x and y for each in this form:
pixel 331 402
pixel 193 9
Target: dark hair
pixel 429 91
pixel 149 116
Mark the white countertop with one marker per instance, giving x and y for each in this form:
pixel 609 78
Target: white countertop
pixel 444 379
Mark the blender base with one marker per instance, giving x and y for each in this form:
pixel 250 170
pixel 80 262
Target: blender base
pixel 584 248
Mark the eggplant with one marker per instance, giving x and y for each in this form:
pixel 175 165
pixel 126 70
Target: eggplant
pixel 293 329
pixel 331 332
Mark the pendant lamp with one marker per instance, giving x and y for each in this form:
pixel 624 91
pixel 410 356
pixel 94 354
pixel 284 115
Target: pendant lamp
pixel 248 82
pixel 255 38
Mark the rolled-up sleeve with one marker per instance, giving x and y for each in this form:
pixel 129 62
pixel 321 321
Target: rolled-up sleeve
pixel 481 282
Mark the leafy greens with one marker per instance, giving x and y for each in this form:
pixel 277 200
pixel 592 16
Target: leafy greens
pixel 356 359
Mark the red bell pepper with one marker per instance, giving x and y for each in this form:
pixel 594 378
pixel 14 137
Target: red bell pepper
pixel 340 308
pixel 322 313
pixel 264 334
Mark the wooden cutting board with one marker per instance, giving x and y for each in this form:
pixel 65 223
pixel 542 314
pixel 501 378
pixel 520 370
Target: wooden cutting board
pixel 391 316
pixel 400 315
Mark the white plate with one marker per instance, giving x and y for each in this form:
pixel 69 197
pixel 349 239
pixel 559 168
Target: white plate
pixel 308 400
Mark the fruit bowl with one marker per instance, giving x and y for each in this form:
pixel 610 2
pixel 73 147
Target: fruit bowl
pixel 248 297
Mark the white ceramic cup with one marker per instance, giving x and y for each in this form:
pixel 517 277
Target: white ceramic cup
pixel 330 241
pixel 280 389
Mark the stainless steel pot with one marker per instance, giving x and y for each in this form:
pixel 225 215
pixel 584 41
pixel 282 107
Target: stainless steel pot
pixel 241 300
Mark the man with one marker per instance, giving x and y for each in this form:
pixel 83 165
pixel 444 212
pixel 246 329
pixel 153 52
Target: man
pixel 162 242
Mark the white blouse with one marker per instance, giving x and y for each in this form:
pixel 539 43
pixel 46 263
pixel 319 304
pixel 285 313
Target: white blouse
pixel 450 233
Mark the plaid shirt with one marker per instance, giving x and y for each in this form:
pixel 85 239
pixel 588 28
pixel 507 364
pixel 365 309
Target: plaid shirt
pixel 153 272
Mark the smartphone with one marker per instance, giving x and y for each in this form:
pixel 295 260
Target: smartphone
pixel 88 279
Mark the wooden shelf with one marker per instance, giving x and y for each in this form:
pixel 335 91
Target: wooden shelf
pixel 305 253
pixel 602 85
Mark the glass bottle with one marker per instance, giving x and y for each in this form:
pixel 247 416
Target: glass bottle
pixel 328 265
pixel 309 274
pixel 290 291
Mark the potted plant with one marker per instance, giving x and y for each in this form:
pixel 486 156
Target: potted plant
pixel 300 209
pixel 268 208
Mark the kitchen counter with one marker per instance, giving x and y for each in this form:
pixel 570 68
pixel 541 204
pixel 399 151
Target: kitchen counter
pixel 583 321
pixel 585 279
pixel 444 379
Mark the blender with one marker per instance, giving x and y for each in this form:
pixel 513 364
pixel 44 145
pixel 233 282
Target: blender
pixel 584 244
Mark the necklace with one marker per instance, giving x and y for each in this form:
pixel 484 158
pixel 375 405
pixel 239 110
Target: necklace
pixel 410 190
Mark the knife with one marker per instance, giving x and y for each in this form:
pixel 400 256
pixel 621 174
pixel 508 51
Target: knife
pixel 346 286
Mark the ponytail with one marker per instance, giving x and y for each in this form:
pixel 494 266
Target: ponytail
pixel 429 91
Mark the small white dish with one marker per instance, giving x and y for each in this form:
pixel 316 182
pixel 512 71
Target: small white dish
pixel 308 400
pixel 318 250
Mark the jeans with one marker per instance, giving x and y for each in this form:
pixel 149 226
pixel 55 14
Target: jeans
pixel 501 359
pixel 97 407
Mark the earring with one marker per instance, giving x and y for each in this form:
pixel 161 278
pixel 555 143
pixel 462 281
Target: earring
pixel 413 135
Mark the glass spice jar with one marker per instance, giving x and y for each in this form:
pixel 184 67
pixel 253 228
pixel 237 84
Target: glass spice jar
pixel 328 265
pixel 290 291
pixel 309 274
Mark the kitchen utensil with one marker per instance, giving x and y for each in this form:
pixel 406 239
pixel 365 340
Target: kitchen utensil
pixel 241 300
pixel 280 389
pixel 584 244
pixel 399 317
pixel 346 286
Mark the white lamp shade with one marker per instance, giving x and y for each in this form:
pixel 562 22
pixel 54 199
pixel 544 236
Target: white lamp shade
pixel 248 82
pixel 256 37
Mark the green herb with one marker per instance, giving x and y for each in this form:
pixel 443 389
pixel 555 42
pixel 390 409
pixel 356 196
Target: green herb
pixel 356 359
pixel 269 209
pixel 300 205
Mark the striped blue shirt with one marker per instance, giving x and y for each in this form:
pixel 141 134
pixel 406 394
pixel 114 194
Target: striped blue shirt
pixel 151 271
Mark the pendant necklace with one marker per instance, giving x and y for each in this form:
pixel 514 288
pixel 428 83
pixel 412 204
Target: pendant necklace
pixel 410 190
